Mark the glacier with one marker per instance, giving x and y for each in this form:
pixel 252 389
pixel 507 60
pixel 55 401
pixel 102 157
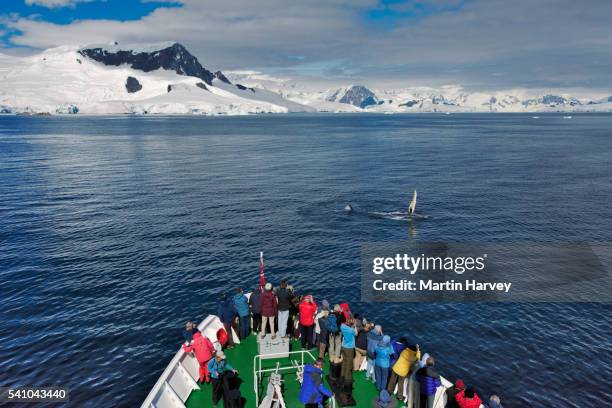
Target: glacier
pixel 166 79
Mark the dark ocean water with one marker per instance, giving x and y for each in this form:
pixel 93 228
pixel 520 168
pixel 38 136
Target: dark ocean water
pixel 114 231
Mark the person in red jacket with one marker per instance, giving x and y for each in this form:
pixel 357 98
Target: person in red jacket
pixel 468 398
pixel 308 310
pixel 269 308
pixel 204 350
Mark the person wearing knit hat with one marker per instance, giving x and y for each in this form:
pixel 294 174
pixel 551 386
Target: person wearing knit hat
pixel 452 392
pixel 269 309
pixel 383 352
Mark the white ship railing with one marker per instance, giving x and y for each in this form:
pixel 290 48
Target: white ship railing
pixel 179 378
pixel 258 371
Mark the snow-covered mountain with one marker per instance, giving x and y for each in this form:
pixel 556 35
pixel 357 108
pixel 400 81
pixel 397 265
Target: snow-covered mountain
pixel 356 95
pixel 166 78
pixel 115 78
pixel 457 99
pixel 358 98
pixel 447 99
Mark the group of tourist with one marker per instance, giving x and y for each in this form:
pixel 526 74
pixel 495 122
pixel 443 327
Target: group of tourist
pixel 213 367
pixel 350 341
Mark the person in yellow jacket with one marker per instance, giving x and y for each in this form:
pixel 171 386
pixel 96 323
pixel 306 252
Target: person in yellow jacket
pixel 402 369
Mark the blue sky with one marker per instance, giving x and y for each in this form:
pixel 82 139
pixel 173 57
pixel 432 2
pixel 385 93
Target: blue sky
pixel 66 12
pixel 474 43
pixel 390 13
pixel 108 9
pixel 385 14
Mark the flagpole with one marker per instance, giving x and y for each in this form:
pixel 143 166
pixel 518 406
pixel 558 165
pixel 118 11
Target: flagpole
pixel 262 277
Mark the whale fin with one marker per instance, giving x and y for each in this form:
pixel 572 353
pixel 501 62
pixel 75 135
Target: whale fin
pixel 412 205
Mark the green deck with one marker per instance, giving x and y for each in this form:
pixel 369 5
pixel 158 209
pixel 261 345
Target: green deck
pixel 241 358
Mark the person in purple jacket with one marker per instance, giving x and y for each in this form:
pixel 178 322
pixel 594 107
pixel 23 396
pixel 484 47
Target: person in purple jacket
pixel 429 381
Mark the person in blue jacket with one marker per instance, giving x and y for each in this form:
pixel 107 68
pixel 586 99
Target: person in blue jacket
pixel 384 351
pixel 217 367
pixel 241 304
pixel 374 338
pixel 313 390
pixel 349 332
pixel 227 314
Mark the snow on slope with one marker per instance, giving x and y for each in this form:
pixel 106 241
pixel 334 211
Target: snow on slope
pixel 95 81
pixel 261 94
pixel 61 80
pixel 423 99
pixel 302 94
pixel 455 99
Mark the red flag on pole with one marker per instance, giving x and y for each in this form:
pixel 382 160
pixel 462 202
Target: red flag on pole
pixel 262 277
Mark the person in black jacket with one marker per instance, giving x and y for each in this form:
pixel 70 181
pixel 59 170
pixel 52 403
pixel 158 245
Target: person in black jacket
pixel 284 303
pixel 255 305
pixel 361 344
pixel 323 338
pixel 294 311
pixel 227 313
pixel 452 392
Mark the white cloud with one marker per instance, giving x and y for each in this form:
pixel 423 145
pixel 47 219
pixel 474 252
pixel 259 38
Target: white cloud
pixel 547 43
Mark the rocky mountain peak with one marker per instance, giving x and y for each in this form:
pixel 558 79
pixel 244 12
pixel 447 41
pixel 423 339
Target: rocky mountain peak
pixel 174 57
pixel 221 77
pixel 356 95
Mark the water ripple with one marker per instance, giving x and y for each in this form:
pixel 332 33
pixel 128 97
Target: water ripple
pixel 113 233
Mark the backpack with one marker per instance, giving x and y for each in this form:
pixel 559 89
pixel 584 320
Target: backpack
pixel 234 399
pixel 331 324
pixel 231 391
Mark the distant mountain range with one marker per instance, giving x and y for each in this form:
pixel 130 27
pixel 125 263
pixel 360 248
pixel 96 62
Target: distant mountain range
pixel 168 79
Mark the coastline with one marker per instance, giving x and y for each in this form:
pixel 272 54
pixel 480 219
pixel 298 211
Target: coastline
pixel 322 113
